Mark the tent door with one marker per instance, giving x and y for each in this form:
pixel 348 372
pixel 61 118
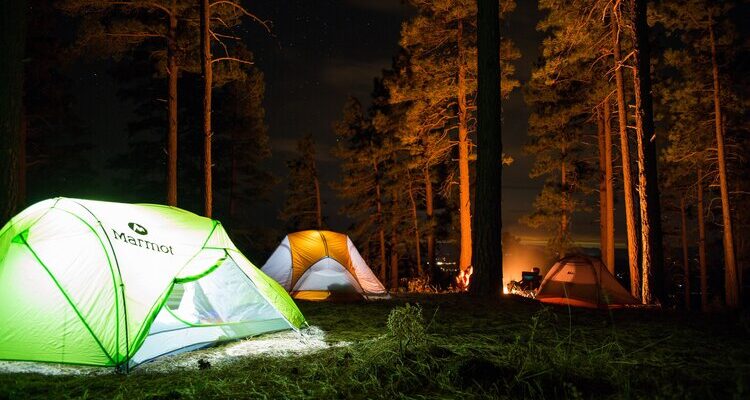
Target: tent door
pixel 222 305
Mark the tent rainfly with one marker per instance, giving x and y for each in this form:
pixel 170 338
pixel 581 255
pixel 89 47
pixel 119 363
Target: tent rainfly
pixel 110 284
pixel 323 265
pixel 583 281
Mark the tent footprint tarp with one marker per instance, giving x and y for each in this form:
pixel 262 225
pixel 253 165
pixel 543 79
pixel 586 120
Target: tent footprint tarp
pixel 111 284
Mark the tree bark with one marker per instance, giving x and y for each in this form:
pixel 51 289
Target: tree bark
pixel 381 222
pixel 603 216
pixel 173 72
pixel 22 162
pixel 609 181
pixel 625 157
pixel 233 179
pixel 318 207
pixel 415 221
pixel 12 46
pixel 463 161
pixel 429 210
pixel 685 259
pixel 207 72
pixel 647 294
pixel 564 205
pixel 394 261
pixel 702 243
pixel 488 254
pixel 731 285
pixel 651 232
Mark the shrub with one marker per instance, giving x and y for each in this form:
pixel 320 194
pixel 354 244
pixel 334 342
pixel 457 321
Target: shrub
pixel 406 325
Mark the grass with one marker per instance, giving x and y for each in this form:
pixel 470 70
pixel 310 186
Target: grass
pixel 508 348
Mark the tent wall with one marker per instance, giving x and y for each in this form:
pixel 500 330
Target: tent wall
pixel 222 305
pixel 313 265
pixel 82 281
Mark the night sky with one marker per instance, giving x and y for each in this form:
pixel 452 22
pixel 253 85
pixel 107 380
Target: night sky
pixel 320 53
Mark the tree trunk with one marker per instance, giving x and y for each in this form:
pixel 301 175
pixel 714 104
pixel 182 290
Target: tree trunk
pixel 12 45
pixel 564 204
pixel 318 207
pixel 173 72
pixel 609 180
pixel 381 222
pixel 603 216
pixel 207 72
pixel 702 243
pixel 415 219
pixel 233 179
pixel 394 250
pixel 625 157
pixel 463 161
pixel 23 137
pixel 651 232
pixel 429 210
pixel 647 294
pixel 685 260
pixel 731 286
pixel 488 254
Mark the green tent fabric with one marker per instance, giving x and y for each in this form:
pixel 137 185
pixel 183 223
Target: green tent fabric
pixel 111 284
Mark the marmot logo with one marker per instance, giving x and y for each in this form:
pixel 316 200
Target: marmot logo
pixel 138 228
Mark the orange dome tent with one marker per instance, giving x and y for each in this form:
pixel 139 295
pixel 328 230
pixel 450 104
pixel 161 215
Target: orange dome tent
pixel 583 281
pixel 322 265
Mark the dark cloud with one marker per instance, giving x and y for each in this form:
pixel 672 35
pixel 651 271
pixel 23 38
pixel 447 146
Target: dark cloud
pixel 352 75
pixel 286 148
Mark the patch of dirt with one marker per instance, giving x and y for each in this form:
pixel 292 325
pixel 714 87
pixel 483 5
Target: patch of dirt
pixel 280 344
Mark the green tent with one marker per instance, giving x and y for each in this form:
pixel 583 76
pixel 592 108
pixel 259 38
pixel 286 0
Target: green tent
pixel 110 284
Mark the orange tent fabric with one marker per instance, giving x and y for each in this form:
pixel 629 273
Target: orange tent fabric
pixel 322 265
pixel 309 247
pixel 583 281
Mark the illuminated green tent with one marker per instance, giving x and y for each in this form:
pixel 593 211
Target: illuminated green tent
pixel 110 284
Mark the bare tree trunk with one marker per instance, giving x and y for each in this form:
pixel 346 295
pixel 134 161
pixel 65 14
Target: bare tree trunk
pixel 488 250
pixel 603 216
pixel 563 208
pixel 429 210
pixel 463 161
pixel 318 207
pixel 173 72
pixel 609 181
pixel 731 285
pixel 381 222
pixel 394 259
pixel 647 294
pixel 233 180
pixel 23 134
pixel 207 72
pixel 651 232
pixel 702 243
pixel 12 46
pixel 685 260
pixel 627 184
pixel 415 219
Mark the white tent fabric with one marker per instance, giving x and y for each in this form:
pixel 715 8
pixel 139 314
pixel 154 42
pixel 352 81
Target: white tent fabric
pixel 223 305
pixel 114 284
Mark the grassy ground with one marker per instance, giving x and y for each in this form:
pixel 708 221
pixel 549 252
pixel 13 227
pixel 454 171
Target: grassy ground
pixel 510 348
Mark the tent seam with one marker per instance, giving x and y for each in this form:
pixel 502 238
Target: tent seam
pixel 263 294
pixel 140 336
pixel 122 284
pixel 112 273
pixel 67 298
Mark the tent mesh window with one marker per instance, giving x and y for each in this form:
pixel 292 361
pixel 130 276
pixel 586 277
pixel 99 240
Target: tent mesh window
pixel 222 305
